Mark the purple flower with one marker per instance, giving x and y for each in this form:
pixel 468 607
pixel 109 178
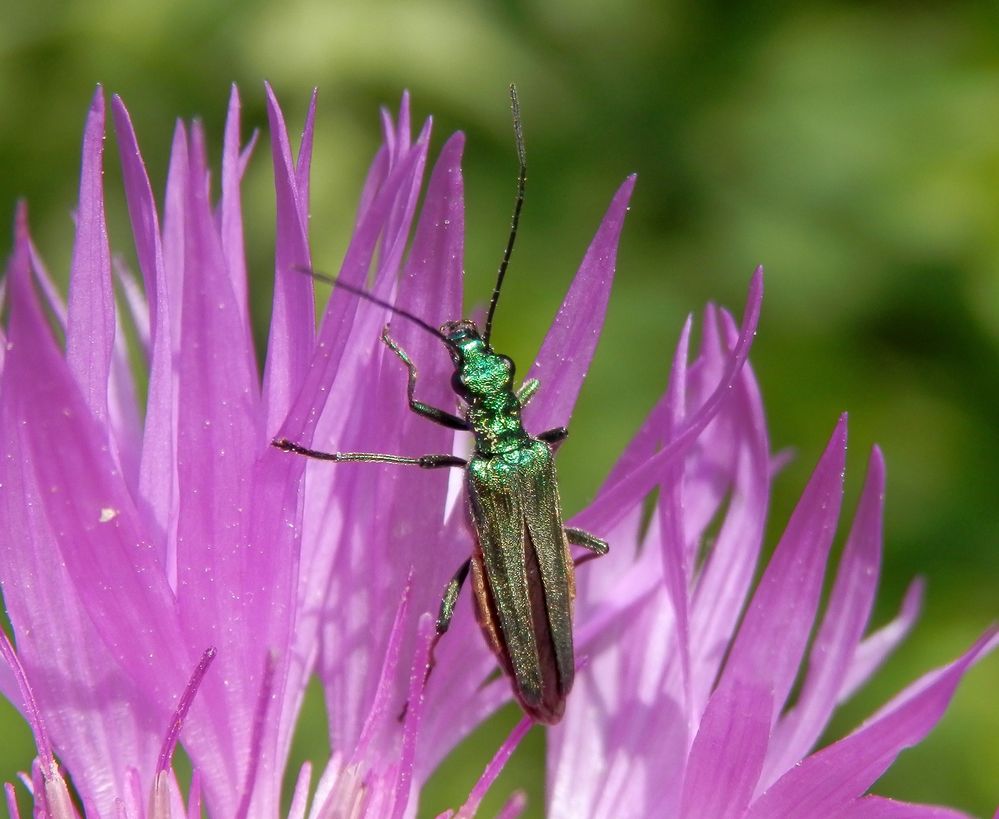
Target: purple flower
pixel 170 576
pixel 156 567
pixel 696 709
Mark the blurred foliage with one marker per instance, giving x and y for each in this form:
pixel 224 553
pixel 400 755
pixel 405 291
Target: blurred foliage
pixel 851 147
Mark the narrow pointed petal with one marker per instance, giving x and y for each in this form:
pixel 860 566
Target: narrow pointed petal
pixel 787 597
pixel 292 332
pixel 27 698
pixel 494 769
pixel 337 319
pixel 57 800
pixel 141 206
pixel 568 348
pixel 728 751
pixel 303 167
pixel 174 234
pixel 224 585
pixel 400 215
pixel 676 569
pixel 831 779
pixel 842 627
pixel 180 712
pixel 876 648
pixel 514 806
pixel 614 501
pixel 258 794
pixel 11 795
pixel 124 416
pixel 231 212
pixel 719 598
pixel 300 796
pixel 415 702
pixel 431 282
pixel 91 330
pixel 877 807
pixel 87 504
pixel 158 467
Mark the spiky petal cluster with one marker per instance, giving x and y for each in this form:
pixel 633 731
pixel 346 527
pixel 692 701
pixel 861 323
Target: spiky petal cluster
pixel 697 707
pixel 152 561
pixel 170 576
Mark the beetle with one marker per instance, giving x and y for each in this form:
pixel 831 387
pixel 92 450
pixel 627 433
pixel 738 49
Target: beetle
pixel 523 575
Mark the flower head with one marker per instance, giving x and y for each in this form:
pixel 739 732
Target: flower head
pixel 171 577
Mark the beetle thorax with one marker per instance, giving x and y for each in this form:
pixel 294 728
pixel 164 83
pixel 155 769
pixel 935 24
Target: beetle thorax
pixel 484 379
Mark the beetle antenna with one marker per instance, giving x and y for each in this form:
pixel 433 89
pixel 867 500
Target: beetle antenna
pixel 518 136
pixel 364 294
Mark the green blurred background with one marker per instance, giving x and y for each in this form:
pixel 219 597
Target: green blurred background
pixel 853 148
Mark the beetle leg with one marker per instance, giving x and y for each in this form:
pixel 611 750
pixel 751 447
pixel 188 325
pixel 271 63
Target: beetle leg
pixel 423 461
pixel 596 546
pixel 438 416
pixel 448 601
pixel 554 437
pixel 450 598
pixel 527 391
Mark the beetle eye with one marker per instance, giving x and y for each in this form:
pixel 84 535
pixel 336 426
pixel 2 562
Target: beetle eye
pixel 457 385
pixel 508 363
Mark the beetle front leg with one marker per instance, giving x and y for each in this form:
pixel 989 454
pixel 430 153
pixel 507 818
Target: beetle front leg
pixel 438 416
pixel 527 391
pixel 442 461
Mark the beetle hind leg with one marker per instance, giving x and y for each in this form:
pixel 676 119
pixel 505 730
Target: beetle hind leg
pixel 577 537
pixel 596 546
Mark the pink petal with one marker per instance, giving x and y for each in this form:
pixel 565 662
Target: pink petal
pixel 300 796
pixel 613 502
pixel 842 627
pixel 61 587
pixel 231 213
pixel 259 794
pixel 728 751
pixel 831 779
pixel 719 598
pixel 381 419
pixel 180 712
pixel 414 714
pixel 11 795
pixel 773 635
pixel 494 769
pixel 322 534
pixel 292 332
pixel 175 233
pixel 218 441
pixel 876 648
pixel 877 807
pixel 91 330
pixel 400 216
pixel 303 167
pixel 337 319
pixel 568 348
pixel 676 569
pixel 26 696
pixel 514 807
pixel 158 469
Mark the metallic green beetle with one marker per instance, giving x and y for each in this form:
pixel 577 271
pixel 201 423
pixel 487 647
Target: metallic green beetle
pixel 522 572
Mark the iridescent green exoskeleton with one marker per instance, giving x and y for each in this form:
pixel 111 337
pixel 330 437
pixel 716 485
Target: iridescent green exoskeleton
pixel 522 572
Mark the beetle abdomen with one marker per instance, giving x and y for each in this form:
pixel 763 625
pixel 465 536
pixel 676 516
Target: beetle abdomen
pixel 521 575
